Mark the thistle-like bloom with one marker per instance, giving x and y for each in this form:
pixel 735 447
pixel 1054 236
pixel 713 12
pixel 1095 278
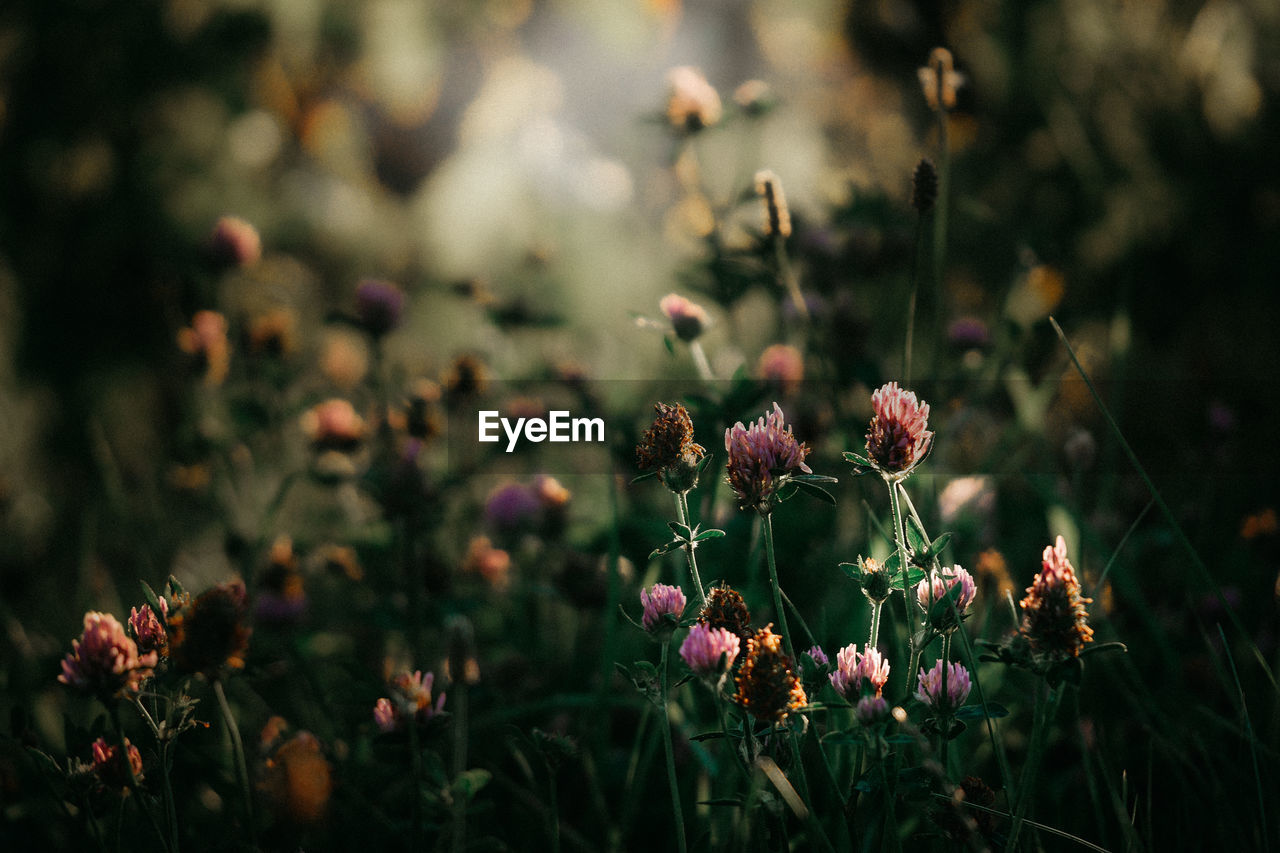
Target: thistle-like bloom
pixel 511 506
pixel 709 652
pixel 692 102
pixel 379 305
pixel 940 80
pixel 410 699
pixel 777 216
pixel 930 690
pixel 937 585
pixel 210 632
pixel 111 769
pixel 104 661
pixel 147 630
pixel 688 319
pixel 660 602
pixel 855 670
pixel 760 459
pixel 767 685
pixel 871 709
pixel 898 439
pixel 726 608
pixel 274 332
pixel 1054 618
pixel 668 448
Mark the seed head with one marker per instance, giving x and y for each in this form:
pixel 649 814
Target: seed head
pixel 1054 618
pixel 668 448
pixel 726 608
pixel 777 216
pixel 767 686
pixel 210 632
pixel 940 80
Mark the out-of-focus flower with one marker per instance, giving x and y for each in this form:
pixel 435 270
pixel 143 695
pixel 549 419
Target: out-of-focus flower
pixel 968 333
pixel 206 339
pixel 334 425
pixel 855 670
pixel 777 215
pixel 379 305
pixel 511 506
pixel 760 459
pixel 767 686
pixel 147 629
pixel 111 769
pixel 992 567
pixel 344 358
pixel 338 559
pixel 274 332
pixel 937 585
pixel 871 710
pixel 930 690
pixel 461 664
pixel 663 606
pixel 688 319
pixel 898 439
pixel 924 187
pixel 782 366
pixel 235 243
pixel 104 661
pixel 1054 618
pixel 668 448
pixel 492 564
pixel 410 699
pixel 726 608
pixel 551 494
pixel 282 598
pixel 754 97
pixel 295 778
pixel 210 632
pixel 940 80
pixel 709 652
pixel 467 377
pixel 1263 523
pixel 420 417
pixel 692 102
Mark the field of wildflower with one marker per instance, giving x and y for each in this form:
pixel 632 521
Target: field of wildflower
pixel 657 425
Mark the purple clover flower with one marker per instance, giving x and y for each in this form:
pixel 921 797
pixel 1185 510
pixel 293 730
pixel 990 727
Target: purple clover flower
pixel 709 652
pixel 661 601
pixel 930 689
pixel 760 458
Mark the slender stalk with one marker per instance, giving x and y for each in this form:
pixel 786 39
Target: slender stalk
pixel 907 608
pixel 788 276
pixel 682 507
pixel 944 741
pixel 909 346
pixel 876 607
pixel 700 361
pixel 237 748
pixel 171 809
pixel 553 809
pixel 776 588
pixel 739 761
pixel 415 761
pixel 1046 706
pixel 677 812
pixel 459 696
pixel 123 746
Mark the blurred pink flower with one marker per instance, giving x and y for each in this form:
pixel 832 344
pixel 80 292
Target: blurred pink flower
pixel 782 366
pixel 235 242
pixel 688 319
pixel 110 769
pixel 104 660
pixel 147 630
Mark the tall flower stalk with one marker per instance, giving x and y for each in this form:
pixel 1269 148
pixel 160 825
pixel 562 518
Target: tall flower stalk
pixel 676 810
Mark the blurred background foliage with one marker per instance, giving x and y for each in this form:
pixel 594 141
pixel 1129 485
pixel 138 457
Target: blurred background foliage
pixel 507 162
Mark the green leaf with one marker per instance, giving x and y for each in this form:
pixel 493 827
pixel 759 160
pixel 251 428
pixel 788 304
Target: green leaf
pixel 974 712
pixel 708 534
pixel 703 463
pixel 707 736
pixel 152 599
pixel 722 801
pixel 815 491
pixel 468 783
pixel 666 549
pixel 1103 647
pixel 645 476
pixel 852 570
pixel 1069 671
pixel 813 478
pixel 937 546
pixel 916 539
pixel 681 531
pixel 670 345
pixel 858 461
pixel 853 736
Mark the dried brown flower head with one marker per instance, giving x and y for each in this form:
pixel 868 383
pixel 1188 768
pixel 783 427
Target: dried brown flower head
pixel 210 632
pixel 767 685
pixel 725 608
pixel 1054 618
pixel 668 448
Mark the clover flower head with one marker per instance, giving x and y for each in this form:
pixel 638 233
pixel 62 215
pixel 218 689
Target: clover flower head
pixel 930 689
pixel 688 319
pixel 871 709
pixel 855 670
pixel 937 586
pixel 709 652
pixel 781 366
pixel 104 661
pixel 206 340
pixel 379 305
pixel 767 686
pixel 668 448
pixel 661 601
pixel 334 425
pixel 761 457
pixel 819 656
pixel 1054 617
pixel 148 632
pixel 411 699
pixel 235 242
pixel 692 102
pixel 111 769
pixel 898 439
pixel 939 80
pixel 726 608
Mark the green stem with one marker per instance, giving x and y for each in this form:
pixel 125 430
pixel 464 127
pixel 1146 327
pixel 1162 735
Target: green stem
pixel 876 607
pixel 237 748
pixel 554 810
pixel 788 276
pixel 415 761
pixel 907 609
pixel 682 508
pixel 171 809
pixel 739 761
pixel 677 812
pixel 123 746
pixel 1046 706
pixel 776 588
pixel 459 697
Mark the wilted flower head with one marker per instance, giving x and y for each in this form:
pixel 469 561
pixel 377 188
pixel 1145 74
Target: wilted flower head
pixel 668 448
pixel 206 339
pixel 898 439
pixel 234 242
pixel 210 632
pixel 871 709
pixel 379 305
pixel 760 459
pixel 777 216
pixel 147 629
pixel 410 699
pixel 111 769
pixel 937 585
pixel 939 80
pixel 726 608
pixel 688 319
pixel 692 102
pixel 334 425
pixel 1054 618
pixel 709 652
pixel 930 690
pixel 295 778
pixel 856 671
pixel 782 366
pixel 104 661
pixel 660 602
pixel 767 686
